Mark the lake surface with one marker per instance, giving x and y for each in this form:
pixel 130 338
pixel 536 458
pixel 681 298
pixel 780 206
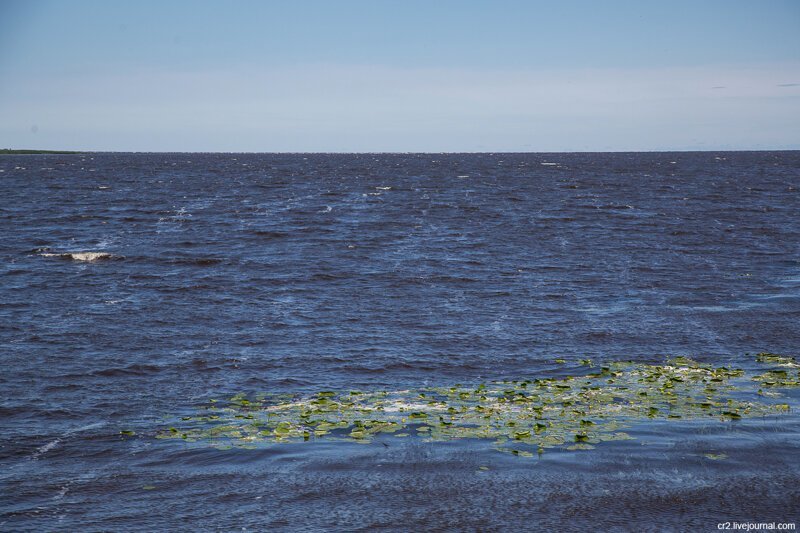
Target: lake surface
pixel 287 275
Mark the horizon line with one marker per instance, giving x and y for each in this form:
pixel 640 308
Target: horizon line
pixel 48 151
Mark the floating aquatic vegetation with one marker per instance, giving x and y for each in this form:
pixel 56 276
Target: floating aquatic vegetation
pixel 522 417
pixel 780 360
pixel 788 375
pixel 715 456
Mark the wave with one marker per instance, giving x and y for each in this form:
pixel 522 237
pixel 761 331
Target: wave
pixel 197 261
pixel 136 369
pixel 55 442
pixel 266 234
pixel 83 256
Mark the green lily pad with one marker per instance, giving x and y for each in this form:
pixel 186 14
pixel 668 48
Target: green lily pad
pixel 545 412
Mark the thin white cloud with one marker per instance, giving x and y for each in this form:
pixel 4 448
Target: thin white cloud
pixel 363 108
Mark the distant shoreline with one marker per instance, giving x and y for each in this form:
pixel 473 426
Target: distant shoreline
pixel 7 151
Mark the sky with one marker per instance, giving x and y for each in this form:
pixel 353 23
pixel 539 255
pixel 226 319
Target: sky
pixel 399 76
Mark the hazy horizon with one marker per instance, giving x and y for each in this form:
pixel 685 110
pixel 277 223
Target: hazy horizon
pixel 56 151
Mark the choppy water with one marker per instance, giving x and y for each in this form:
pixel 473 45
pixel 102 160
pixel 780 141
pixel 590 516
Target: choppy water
pixel 230 274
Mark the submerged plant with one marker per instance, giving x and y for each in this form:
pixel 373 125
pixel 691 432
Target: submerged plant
pixel 520 416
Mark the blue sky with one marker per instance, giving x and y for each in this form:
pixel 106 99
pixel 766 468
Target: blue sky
pixel 399 76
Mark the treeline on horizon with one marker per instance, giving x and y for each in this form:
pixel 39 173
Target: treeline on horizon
pixel 9 151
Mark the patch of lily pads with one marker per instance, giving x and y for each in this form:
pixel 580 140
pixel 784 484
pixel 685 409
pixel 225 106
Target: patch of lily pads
pixel 522 417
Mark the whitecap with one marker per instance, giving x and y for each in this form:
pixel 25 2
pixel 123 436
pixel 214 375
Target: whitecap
pixel 46 448
pixel 55 442
pixel 83 256
pixel 89 256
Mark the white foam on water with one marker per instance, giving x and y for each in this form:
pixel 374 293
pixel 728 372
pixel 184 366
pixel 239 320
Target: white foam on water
pixel 89 256
pixel 46 448
pixel 55 442
pixel 82 256
pixel 87 427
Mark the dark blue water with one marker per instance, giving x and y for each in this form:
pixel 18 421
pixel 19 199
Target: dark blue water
pixel 294 273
